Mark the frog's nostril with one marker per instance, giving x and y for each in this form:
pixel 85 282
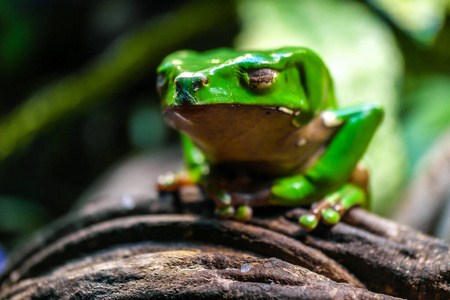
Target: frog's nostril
pixel 182 93
pixel 187 84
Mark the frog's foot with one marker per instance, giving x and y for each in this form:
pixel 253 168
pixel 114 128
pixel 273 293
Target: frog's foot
pixel 242 213
pixel 172 181
pixel 330 209
pixel 229 207
pixel 236 202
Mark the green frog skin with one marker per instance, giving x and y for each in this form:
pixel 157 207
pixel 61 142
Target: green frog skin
pixel 262 128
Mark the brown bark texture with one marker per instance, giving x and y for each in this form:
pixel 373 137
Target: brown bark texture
pixel 125 242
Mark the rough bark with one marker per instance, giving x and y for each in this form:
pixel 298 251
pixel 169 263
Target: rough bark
pixel 129 244
pixel 182 274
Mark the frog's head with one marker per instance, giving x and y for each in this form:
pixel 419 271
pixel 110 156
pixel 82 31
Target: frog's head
pixel 294 79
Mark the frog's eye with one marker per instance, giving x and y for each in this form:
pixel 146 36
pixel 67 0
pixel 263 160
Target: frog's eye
pixel 261 78
pixel 160 81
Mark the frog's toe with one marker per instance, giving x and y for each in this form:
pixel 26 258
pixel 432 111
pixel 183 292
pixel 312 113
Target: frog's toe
pixel 353 196
pixel 321 211
pixel 330 216
pixel 341 201
pixel 243 213
pixel 225 212
pixel 309 221
pixel 223 198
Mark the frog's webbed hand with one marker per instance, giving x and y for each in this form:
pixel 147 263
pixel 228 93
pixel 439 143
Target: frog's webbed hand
pixel 334 205
pixel 241 213
pixel 330 209
pixel 196 167
pixel 356 126
pixel 236 200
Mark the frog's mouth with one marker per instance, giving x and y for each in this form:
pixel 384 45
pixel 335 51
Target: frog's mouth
pixel 220 119
pixel 256 113
pixel 230 132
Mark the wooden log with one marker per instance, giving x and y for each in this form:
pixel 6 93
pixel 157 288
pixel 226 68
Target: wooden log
pixel 129 244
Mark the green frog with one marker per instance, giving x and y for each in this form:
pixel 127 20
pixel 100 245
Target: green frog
pixel 262 128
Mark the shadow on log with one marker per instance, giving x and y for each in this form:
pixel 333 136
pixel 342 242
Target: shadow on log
pixel 127 243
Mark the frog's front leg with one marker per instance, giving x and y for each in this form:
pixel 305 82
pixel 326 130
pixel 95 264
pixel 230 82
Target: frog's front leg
pixel 333 168
pixel 196 167
pixel 195 171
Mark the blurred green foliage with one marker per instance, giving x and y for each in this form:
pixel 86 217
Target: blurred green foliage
pixel 426 115
pixel 420 19
pixel 125 60
pixel 20 217
pixel 146 127
pixel 77 82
